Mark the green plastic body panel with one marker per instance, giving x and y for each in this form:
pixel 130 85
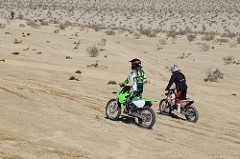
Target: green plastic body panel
pixel 122 97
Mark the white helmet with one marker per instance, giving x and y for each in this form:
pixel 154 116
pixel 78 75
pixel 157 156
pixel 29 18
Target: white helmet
pixel 174 68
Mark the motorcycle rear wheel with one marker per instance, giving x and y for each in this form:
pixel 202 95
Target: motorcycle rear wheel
pixel 191 114
pixel 148 119
pixel 113 109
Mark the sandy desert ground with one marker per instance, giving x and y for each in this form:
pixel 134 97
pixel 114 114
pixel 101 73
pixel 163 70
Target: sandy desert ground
pixel 45 115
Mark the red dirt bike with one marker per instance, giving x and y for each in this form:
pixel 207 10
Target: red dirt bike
pixel 167 105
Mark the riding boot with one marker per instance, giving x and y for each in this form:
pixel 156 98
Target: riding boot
pixel 178 107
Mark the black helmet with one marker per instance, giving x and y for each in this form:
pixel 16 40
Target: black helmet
pixel 135 63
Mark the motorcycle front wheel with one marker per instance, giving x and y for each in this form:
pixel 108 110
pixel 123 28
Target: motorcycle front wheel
pixel 148 118
pixel 164 107
pixel 113 109
pixel 191 114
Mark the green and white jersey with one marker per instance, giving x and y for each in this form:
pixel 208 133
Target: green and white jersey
pixel 138 77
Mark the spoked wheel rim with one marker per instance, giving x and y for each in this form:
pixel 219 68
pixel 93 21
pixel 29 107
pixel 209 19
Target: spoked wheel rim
pixel 164 108
pixel 146 119
pixel 190 114
pixel 112 109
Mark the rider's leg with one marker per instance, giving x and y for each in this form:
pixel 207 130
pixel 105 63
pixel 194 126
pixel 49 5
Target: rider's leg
pixel 178 101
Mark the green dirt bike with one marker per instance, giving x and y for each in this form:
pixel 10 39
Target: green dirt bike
pixel 140 108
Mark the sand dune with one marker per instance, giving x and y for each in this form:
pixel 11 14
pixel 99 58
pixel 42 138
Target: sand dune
pixel 43 114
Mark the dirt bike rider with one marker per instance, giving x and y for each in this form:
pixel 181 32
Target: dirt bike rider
pixel 179 79
pixel 139 78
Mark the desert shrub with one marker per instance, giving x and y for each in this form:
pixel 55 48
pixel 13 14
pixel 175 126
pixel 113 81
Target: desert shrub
pixel 159 47
pixel 229 35
pixel 2 26
pixel 191 37
pixel 62 26
pixel 184 55
pixel 112 82
pixel 238 40
pixel 137 36
pixel 78 71
pixel 76 45
pixel 8 33
pixel 213 76
pixel 39 52
pixel 205 47
pixel 15 53
pixel 73 78
pixel 43 23
pixel 221 40
pixel 110 32
pixel 3 60
pixel 68 57
pixel 229 59
pixel 93 51
pixel 16 41
pixel 172 34
pixel 56 31
pixel 21 25
pixel 147 32
pixel 20 16
pixel 33 24
pixel 208 37
pixel 233 44
pixel 162 42
pixel 102 42
pixel 93 65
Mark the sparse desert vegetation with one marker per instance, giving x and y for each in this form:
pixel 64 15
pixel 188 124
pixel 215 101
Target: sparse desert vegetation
pixel 213 75
pixel 46 112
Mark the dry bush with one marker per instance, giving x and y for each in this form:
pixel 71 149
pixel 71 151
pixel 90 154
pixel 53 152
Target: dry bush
pixel 238 40
pixel 229 59
pixel 213 76
pixel 2 26
pixel 162 42
pixel 77 45
pixel 191 37
pixel 137 36
pixel 78 71
pixel 56 31
pixel 68 57
pixel 93 65
pixel 93 51
pixel 233 44
pixel 172 34
pixel 8 33
pixel 62 26
pixel 102 42
pixel 21 25
pixel 3 60
pixel 73 78
pixel 16 41
pixel 159 47
pixel 39 52
pixel 112 82
pixel 147 32
pixel 208 37
pixel 15 53
pixel 184 55
pixel 221 40
pixel 110 32
pixel 43 23
pixel 20 16
pixel 205 47
pixel 33 24
pixel 229 35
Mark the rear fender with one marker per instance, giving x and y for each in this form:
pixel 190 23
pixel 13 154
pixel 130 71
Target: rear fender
pixel 148 100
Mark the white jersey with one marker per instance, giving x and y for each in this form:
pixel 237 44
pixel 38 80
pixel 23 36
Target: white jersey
pixel 133 76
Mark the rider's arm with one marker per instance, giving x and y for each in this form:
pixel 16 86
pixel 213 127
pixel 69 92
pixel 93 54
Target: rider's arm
pixel 144 78
pixel 170 82
pixel 129 78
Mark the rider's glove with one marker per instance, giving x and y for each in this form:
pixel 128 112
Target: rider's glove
pixel 122 85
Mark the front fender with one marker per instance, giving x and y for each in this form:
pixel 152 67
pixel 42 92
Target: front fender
pixel 116 92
